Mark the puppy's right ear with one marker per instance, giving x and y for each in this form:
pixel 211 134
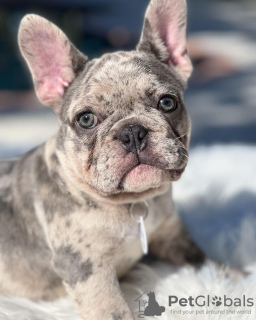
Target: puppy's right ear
pixel 53 60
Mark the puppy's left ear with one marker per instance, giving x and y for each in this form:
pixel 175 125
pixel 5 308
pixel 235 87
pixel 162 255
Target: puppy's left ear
pixel 164 34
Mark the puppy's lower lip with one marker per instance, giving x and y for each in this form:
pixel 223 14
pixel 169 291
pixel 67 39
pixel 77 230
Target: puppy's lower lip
pixel 142 177
pixel 132 168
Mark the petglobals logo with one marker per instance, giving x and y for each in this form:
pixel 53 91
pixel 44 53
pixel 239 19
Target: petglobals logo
pixel 207 301
pixel 149 305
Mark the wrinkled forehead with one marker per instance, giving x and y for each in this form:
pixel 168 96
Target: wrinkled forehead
pixel 121 79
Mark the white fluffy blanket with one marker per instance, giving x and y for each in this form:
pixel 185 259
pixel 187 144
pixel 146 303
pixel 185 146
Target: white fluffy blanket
pixel 165 281
pixel 225 187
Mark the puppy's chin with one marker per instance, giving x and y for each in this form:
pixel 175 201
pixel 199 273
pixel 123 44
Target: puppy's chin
pixel 142 178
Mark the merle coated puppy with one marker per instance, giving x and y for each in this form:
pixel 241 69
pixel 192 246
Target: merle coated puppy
pixel 73 210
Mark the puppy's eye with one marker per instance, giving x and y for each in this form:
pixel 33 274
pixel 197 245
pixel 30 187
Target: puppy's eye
pixel 87 120
pixel 168 104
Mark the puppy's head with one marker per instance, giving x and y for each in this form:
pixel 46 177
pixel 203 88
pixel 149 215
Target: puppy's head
pixel 124 130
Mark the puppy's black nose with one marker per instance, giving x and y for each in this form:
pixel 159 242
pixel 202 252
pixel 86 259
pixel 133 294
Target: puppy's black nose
pixel 134 138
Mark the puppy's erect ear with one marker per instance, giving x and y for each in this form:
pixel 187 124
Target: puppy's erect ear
pixel 164 34
pixel 53 60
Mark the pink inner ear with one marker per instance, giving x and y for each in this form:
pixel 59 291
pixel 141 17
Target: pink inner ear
pixel 178 53
pixel 50 63
pixel 50 88
pixel 171 25
pixel 174 44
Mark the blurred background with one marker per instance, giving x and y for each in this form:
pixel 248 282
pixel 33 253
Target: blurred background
pixel 217 195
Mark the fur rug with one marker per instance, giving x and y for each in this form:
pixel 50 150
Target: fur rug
pixel 165 281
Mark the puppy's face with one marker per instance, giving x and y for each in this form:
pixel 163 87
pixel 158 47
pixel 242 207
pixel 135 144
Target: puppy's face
pixel 123 125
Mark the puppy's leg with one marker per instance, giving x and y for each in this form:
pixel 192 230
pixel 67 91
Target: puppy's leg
pixel 172 242
pixel 84 259
pixel 94 287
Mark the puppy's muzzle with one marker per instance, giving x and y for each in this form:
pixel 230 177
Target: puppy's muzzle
pixel 134 138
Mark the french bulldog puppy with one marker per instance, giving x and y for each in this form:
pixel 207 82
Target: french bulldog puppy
pixel 72 209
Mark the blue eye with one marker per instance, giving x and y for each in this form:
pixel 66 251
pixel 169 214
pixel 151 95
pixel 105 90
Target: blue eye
pixel 168 104
pixel 87 120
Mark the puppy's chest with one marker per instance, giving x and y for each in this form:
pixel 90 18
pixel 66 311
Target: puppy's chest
pixel 131 249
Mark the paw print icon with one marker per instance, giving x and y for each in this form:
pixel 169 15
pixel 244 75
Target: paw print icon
pixel 216 301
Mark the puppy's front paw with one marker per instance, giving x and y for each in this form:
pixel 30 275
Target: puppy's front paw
pixel 180 250
pixel 187 253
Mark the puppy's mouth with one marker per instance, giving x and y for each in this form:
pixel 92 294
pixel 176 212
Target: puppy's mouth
pixel 142 176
